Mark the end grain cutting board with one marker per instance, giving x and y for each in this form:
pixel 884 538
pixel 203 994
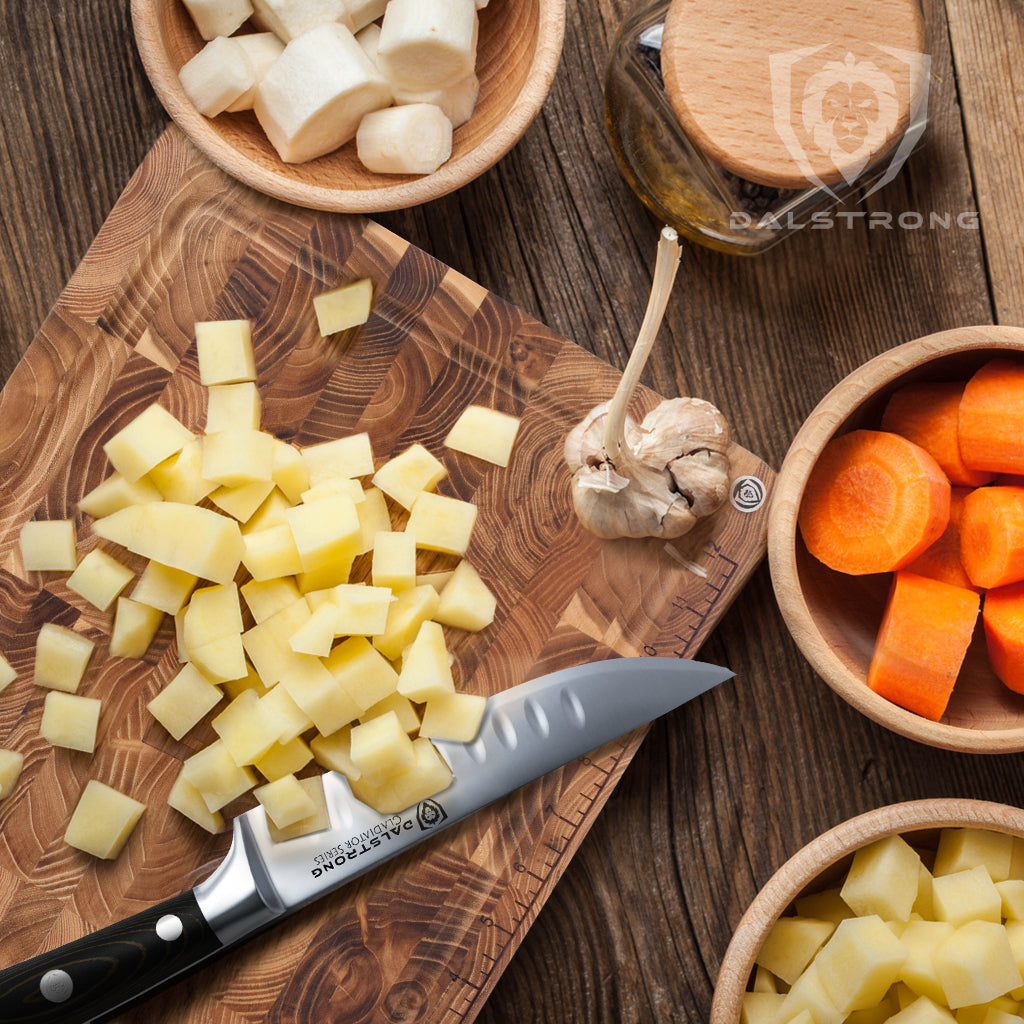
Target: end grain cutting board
pixel 425 937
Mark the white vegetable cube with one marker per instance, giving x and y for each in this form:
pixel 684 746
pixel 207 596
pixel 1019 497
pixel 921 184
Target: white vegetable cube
pixel 428 776
pixel 180 477
pixel 313 97
pixel 318 821
pixel 409 610
pixel 405 476
pixel 412 138
pixel 363 12
pixel 161 586
pixel 440 523
pixel 426 666
pixel 883 879
pixel 290 18
pixel 425 44
pixel 185 701
pixel 70 721
pixel 247 727
pixel 976 964
pixel 230 406
pixel 455 716
pixel 961 848
pixel 217 75
pixel 218 17
pixel 791 945
pixel 394 560
pixel 265 597
pixel 285 801
pixel 62 656
pixel 374 518
pixel 466 601
pixel 103 820
pixel 859 962
pixel 921 939
pixel 334 752
pixel 48 545
pixel 350 456
pixel 284 758
pixel 344 307
pixel 290 471
pixel 325 531
pixel 115 492
pixel 7 673
pixel 216 775
pixel 312 686
pixel 408 716
pixel 225 351
pixel 485 433
pixel 361 610
pixel 238 456
pixel 152 436
pixel 187 800
pixel 362 671
pixel 99 578
pixel 135 626
pixel 969 894
pixel 271 553
pixel 11 764
pixel 263 48
pixel 456 101
pixel 380 747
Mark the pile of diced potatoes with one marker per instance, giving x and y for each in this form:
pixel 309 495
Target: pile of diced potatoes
pixel 909 935
pixel 397 76
pixel 250 544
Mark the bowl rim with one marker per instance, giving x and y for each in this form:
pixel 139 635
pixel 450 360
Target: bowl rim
pixel 457 172
pixel 826 418
pixel 825 851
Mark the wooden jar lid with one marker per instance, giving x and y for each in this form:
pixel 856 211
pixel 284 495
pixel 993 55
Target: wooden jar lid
pixel 794 94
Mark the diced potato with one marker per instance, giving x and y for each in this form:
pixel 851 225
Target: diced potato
pixel 164 587
pixel 334 752
pixel 270 513
pixel 361 610
pixel 271 553
pixel 325 531
pixel 247 728
pixel 409 610
pixel 316 635
pixel 103 820
pixel 966 895
pixel 230 406
pixel 394 560
pixel 484 433
pixel 440 523
pixel 268 643
pixel 760 1007
pixel 921 939
pixel 212 612
pixel 428 776
pixel 115 492
pixel 238 456
pixel 809 995
pixel 285 801
pixel 152 436
pixel 62 656
pixel 466 601
pixel 266 597
pixel 70 721
pixel 438 580
pixel 290 471
pixel 883 879
pixel 961 848
pixel 11 764
pixel 880 1012
pixel 859 962
pixel 135 626
pixel 350 457
pixel 242 502
pixel 215 774
pixel 426 673
pixel 923 1011
pixel 312 686
pixel 225 352
pixel 363 672
pixel 99 578
pixel 407 714
pixel 221 660
pixel 291 719
pixel 318 821
pixel 187 800
pixel 791 945
pixel 334 485
pixel 180 477
pixel 7 673
pixel 455 716
pixel 231 688
pixel 380 747
pixel 373 516
pixel 976 964
pixel 1011 893
pixel 363 12
pixel 284 758
pixel 48 545
pixel 184 701
pixel 403 477
pixel 344 307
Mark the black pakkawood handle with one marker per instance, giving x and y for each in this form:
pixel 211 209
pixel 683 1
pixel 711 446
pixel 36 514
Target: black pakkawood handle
pixel 95 976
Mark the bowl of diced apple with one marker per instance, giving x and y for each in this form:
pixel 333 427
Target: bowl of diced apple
pixel 913 912
pixel 355 106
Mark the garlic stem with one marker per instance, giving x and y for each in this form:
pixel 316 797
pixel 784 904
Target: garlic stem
pixel 666 265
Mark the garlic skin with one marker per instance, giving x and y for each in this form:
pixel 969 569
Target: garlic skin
pixel 672 470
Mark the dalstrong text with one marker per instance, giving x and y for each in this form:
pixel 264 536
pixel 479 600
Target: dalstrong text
pixel 353 848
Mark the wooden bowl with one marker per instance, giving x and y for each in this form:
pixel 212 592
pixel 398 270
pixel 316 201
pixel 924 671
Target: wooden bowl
pixel 825 860
pixel 834 618
pixel 520 44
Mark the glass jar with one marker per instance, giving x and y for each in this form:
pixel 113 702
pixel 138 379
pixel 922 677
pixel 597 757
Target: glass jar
pixel 702 197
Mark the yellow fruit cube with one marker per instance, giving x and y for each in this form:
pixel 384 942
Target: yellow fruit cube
pixel 381 748
pixel 247 728
pixel 791 945
pixel 363 672
pixel 135 626
pixel 466 601
pixel 318 821
pixel 284 758
pixel 184 701
pixel 440 523
pixel 180 477
pixel 334 752
pixel 966 895
pixel 883 879
pixel 961 848
pixel 350 457
pixel 103 820
pixel 285 801
pixel 11 764
pixel 976 964
pixel 152 436
pixel 394 560
pixel 265 597
pixel 484 433
pixel 344 307
pixel 187 800
pixel 409 610
pixel 115 492
pixel 225 352
pixel 455 716
pixel 48 545
pixel 428 776
pixel 238 456
pixel 215 774
pixel 859 962
pixel 374 518
pixel 62 656
pixel 312 686
pixel 70 721
pixel 426 673
pixel 325 531
pixel 164 587
pixel 233 405
pixel 405 476
pixel 99 578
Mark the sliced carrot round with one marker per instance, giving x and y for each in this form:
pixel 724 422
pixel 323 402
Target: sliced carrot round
pixel 992 536
pixel 1003 616
pixel 873 502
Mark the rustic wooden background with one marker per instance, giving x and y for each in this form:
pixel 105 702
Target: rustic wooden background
pixel 721 793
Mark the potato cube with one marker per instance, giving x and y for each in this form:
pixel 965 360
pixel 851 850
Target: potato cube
pixel 70 721
pixel 271 553
pixel 285 801
pixel 325 531
pixel 135 626
pixel 225 352
pixel 7 673
pixel 921 939
pixel 312 686
pixel 394 560
pixel 403 477
pixel 247 728
pixel 883 879
pixel 184 701
pixel 760 1007
pixel 291 719
pixel 115 492
pixel 316 635
pixel 960 848
pixel 428 776
pixel 152 436
pixel 440 523
pixel 231 688
pixel 859 962
pixel 164 587
pixel 809 995
pixel 213 612
pixel 229 406
pixel 361 610
pixel 290 470
pixel 334 752
pixel 265 597
pixel 976 964
pixel 409 610
pixel 268 642
pixel 438 580
pixel 62 656
pixel 270 513
pixel 879 1013
pixel 484 433
pixel 1011 894
pixel 344 307
pixel 48 545
pixel 11 764
pixel 318 821
pixel 284 758
pixel 923 1011
pixel 408 716
pixel 103 820
pixel 966 895
pixel 381 748
pixel 455 716
pixel 791 945
pixel 215 774
pixel 466 601
pixel 362 671
pixel 187 800
pixel 238 456
pixel 334 485
pixel 180 478
pixel 243 502
pixel 826 905
pixel 349 457
pixel 99 578
pixel 426 673
pixel 373 516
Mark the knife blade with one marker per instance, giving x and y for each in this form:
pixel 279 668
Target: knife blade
pixel 527 731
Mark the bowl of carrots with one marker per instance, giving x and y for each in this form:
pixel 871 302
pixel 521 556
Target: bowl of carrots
pixel 896 539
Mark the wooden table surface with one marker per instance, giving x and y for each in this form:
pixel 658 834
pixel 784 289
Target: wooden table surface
pixel 722 792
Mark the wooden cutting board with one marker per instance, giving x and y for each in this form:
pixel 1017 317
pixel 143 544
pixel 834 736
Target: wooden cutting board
pixel 425 937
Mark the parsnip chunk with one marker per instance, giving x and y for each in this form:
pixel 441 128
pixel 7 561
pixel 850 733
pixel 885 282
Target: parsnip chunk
pixel 70 721
pixel 412 138
pixel 62 656
pixel 262 48
pixel 103 820
pixel 426 44
pixel 48 545
pixel 344 307
pixel 290 18
pixel 218 17
pixel 484 433
pixel 215 78
pixel 11 764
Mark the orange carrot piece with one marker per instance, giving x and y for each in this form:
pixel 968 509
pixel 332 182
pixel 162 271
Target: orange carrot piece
pixel 992 536
pixel 929 415
pixel 924 636
pixel 992 417
pixel 1003 616
pixel 873 502
pixel 942 560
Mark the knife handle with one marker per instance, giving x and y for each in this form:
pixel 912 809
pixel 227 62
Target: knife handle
pixel 95 976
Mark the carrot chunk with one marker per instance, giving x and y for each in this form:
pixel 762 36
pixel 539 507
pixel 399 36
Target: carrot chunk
pixel 926 630
pixel 943 561
pixel 992 417
pixel 992 536
pixel 929 415
pixel 873 502
pixel 1003 618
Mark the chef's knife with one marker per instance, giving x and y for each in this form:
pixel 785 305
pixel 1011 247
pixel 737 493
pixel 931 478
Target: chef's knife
pixel 527 731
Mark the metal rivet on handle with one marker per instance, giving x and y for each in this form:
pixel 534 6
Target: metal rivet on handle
pixel 56 986
pixel 169 927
